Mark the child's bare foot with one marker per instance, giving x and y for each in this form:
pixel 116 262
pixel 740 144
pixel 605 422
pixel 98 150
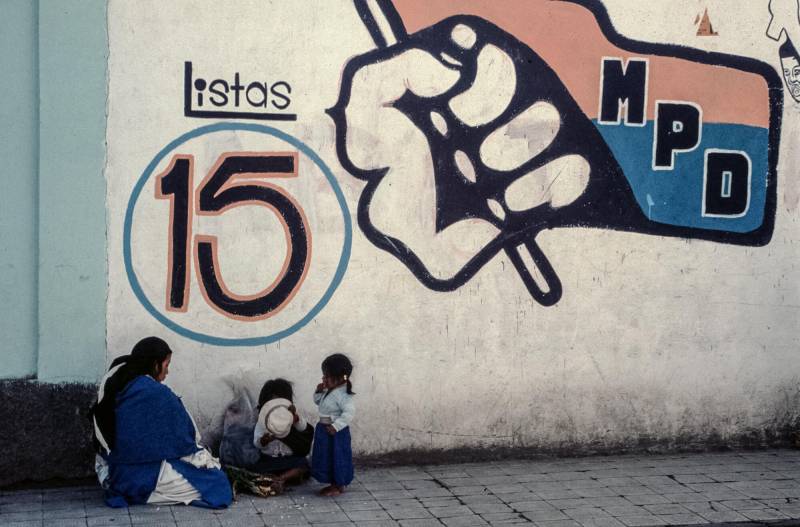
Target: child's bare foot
pixel 325 490
pixel 294 476
pixel 335 491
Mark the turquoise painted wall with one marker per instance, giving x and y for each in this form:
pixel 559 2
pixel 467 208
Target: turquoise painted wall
pixel 18 177
pixel 52 209
pixel 73 52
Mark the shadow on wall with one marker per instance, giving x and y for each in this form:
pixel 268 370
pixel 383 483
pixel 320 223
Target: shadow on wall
pixel 643 444
pixel 235 401
pixel 45 432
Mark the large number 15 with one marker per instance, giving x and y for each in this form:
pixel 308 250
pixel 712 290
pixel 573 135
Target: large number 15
pixel 223 189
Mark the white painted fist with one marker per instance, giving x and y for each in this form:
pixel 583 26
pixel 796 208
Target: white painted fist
pixel 408 153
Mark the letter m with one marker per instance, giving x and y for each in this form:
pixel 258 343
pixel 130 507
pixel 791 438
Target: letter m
pixel 623 87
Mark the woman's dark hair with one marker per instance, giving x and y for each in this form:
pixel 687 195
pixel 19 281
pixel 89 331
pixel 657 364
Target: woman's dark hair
pixel 146 358
pixel 339 366
pixel 275 389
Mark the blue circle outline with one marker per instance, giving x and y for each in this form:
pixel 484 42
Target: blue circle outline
pixel 225 341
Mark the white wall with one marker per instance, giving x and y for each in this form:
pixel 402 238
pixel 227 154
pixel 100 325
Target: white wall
pixel 655 337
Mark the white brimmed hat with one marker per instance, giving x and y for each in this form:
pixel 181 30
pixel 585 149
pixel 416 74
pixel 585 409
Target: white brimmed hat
pixel 276 417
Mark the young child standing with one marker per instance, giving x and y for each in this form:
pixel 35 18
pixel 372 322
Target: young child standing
pixel 332 458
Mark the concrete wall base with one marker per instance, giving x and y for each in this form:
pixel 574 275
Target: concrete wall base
pixel 45 431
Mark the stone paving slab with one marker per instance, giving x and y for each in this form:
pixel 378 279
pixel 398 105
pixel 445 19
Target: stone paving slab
pixel 736 489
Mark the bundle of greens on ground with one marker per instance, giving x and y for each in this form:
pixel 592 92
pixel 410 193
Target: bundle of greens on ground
pixel 252 483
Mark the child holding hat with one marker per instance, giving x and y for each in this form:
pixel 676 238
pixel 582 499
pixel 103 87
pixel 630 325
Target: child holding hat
pixel 282 434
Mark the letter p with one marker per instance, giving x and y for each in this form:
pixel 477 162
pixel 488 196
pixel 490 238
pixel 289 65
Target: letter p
pixel 677 129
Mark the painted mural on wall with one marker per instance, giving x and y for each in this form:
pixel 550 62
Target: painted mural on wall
pixel 516 137
pixel 784 26
pixel 475 129
pixel 247 174
pixel 411 182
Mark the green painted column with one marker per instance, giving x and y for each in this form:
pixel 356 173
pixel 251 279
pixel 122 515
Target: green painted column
pixel 18 180
pixel 73 53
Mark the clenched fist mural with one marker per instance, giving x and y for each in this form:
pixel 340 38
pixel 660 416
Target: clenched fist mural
pixel 472 139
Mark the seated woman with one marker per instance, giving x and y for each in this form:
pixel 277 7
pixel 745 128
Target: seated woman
pixel 147 443
pixel 282 434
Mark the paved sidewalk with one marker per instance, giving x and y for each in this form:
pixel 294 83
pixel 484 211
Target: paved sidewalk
pixel 750 487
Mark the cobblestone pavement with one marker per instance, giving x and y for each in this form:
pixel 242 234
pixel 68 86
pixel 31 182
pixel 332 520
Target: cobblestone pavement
pixel 754 488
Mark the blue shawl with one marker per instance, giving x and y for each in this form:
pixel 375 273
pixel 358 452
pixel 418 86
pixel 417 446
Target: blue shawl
pixel 152 425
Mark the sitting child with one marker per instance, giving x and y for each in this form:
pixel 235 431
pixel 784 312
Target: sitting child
pixel 282 434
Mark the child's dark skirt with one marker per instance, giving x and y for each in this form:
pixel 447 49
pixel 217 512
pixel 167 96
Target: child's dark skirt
pixel 332 458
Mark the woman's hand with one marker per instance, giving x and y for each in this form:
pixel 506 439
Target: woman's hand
pixel 330 429
pixel 266 439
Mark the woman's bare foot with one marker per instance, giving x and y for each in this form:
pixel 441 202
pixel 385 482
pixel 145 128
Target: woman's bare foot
pixel 325 490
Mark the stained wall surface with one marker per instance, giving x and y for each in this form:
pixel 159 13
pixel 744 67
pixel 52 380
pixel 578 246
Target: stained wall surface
pixel 18 201
pixel 52 207
pixel 556 225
